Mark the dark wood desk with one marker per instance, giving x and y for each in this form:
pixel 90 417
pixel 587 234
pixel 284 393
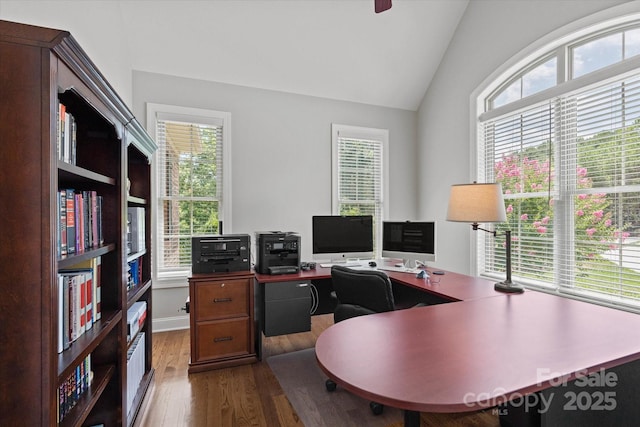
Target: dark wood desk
pixel 452 286
pixel 281 310
pixel 481 352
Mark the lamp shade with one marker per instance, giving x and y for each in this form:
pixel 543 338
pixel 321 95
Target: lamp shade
pixel 476 203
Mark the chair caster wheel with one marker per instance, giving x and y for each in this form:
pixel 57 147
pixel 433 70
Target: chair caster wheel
pixel 330 385
pixel 376 408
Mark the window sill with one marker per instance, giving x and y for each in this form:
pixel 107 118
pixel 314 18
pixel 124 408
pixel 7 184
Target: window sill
pixel 171 281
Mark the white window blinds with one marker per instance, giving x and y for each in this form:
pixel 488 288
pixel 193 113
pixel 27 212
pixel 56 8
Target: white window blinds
pixel 570 171
pixel 360 174
pixel 190 187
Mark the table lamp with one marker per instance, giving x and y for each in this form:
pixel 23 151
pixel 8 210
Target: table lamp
pixel 482 203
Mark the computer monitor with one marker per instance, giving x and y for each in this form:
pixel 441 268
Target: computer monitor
pixel 339 238
pixel 411 241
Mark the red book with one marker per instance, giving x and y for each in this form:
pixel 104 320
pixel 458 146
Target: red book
pixel 83 302
pixel 94 219
pixel 89 299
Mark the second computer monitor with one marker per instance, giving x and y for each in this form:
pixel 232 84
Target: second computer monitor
pixel 411 241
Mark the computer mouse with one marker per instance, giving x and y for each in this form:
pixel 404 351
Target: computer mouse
pixel 372 264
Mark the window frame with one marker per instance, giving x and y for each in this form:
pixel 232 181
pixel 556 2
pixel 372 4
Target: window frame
pixel 560 45
pixel 368 133
pixel 179 277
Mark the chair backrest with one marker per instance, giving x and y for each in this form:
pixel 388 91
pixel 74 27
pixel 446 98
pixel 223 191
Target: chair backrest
pixel 368 289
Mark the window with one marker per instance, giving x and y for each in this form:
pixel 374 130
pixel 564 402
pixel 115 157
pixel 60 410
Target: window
pixel 569 163
pixel 604 50
pixel 360 174
pixel 541 77
pixel 190 182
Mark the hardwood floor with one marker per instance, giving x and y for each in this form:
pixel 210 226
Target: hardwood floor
pixel 246 395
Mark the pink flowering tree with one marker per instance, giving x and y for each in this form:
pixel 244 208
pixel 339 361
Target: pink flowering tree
pixel 531 218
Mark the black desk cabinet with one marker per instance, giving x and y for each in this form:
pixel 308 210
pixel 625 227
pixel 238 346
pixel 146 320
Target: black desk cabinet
pixel 286 307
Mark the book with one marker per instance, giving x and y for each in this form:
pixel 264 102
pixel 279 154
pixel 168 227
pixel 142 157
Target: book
pixel 66 342
pixel 100 235
pixel 86 219
pixel 67 137
pixel 95 239
pixel 89 299
pixel 72 142
pixel 61 115
pixel 136 229
pixel 61 308
pixel 71 221
pixel 62 228
pixel 97 288
pixel 79 221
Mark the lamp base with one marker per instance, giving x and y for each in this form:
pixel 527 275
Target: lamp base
pixel 508 287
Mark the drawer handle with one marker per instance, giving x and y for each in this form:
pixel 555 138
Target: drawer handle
pixel 222 299
pixel 220 339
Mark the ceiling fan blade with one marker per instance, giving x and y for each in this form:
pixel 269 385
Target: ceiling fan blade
pixel 382 5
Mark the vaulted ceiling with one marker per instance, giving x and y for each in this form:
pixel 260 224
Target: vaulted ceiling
pixel 339 49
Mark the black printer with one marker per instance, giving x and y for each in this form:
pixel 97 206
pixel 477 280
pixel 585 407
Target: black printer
pixel 278 252
pixel 222 253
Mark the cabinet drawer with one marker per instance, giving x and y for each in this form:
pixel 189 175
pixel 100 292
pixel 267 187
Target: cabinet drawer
pixel 223 338
pixel 286 290
pixel 222 299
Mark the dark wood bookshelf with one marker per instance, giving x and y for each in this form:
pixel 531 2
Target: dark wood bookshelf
pixel 43 71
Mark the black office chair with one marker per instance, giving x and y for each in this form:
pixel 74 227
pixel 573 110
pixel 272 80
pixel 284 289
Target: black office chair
pixel 358 293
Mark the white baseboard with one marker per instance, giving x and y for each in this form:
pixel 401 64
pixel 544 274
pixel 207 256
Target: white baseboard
pixel 170 323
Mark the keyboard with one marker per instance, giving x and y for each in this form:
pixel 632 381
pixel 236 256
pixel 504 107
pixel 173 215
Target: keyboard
pixel 344 264
pixel 399 269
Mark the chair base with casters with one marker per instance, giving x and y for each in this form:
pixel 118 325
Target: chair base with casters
pixel 359 293
pixel 376 408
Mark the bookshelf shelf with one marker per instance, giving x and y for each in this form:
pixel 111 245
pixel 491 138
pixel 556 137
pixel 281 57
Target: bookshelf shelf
pixel 101 379
pixel 87 343
pixel 136 255
pixel 67 261
pixel 137 293
pixel 73 173
pixel 73 160
pixel 136 201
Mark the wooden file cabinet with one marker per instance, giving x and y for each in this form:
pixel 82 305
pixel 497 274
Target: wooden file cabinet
pixel 221 320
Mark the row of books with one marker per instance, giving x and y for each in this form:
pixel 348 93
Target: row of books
pixel 134 273
pixel 135 369
pixel 135 230
pixel 66 135
pixel 136 316
pixel 79 301
pixel 80 221
pixel 72 389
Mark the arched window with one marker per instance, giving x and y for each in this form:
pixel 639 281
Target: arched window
pixel 562 135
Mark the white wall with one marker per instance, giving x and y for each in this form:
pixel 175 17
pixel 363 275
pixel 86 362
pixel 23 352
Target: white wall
pixel 281 157
pixel 488 35
pixel 96 25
